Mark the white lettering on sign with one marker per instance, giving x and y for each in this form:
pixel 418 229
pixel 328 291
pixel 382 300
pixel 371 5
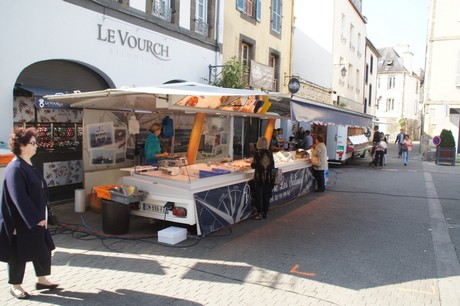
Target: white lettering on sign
pixel 125 39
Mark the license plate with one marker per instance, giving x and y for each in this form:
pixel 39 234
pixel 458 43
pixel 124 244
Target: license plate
pixel 153 208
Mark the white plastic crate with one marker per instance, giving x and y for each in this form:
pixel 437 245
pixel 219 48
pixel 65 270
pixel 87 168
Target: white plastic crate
pixel 172 235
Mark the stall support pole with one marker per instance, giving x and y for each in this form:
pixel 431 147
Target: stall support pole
pixel 195 138
pixel 269 129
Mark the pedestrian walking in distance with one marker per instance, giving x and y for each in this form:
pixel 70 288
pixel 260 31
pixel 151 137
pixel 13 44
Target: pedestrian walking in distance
pixel 380 148
pixel 406 148
pixel 399 140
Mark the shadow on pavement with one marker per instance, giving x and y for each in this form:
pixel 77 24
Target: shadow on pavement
pixel 341 237
pixel 118 297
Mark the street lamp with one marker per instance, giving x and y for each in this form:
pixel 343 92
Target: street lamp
pixel 343 71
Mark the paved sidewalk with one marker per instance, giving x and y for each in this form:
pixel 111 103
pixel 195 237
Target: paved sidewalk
pixel 375 237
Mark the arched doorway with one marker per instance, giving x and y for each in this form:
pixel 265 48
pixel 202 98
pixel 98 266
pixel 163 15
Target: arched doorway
pixel 59 152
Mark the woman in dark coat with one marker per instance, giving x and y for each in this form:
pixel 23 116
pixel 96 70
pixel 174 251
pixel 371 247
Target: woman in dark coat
pixel 263 165
pixel 23 216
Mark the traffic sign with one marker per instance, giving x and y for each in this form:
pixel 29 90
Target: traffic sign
pixel 436 140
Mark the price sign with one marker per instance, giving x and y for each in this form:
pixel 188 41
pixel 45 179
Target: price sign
pixel 436 140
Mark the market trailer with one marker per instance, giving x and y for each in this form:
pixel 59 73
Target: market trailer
pixel 210 203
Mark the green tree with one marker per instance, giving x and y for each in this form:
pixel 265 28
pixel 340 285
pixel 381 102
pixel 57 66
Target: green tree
pixel 447 139
pixel 402 122
pixel 233 73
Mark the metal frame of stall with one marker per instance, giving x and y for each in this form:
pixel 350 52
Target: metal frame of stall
pixel 201 100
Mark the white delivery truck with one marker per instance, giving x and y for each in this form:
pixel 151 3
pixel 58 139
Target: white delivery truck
pixel 345 143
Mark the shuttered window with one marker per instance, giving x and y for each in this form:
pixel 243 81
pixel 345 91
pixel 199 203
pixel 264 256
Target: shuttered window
pixel 276 16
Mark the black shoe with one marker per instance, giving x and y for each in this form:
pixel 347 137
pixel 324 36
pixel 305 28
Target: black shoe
pixel 21 296
pixel 264 216
pixel 39 286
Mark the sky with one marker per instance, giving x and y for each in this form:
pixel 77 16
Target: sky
pixel 393 22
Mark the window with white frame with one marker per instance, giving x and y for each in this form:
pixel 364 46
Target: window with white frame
pixel 246 57
pixel 366 76
pixel 391 82
pixel 343 26
pixel 350 77
pixel 390 104
pixel 371 67
pixel 276 16
pixel 352 37
pixel 274 62
pixel 201 17
pixel 162 9
pixel 370 95
pixel 357 81
pixel 358 44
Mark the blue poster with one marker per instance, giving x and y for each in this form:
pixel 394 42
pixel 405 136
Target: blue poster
pixel 223 206
pixel 293 184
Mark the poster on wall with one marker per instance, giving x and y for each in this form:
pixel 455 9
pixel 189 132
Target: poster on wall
pixel 209 141
pixel 100 134
pixel 23 109
pixel 107 143
pixel 120 138
pixel 63 173
pixel 102 157
pixel 120 144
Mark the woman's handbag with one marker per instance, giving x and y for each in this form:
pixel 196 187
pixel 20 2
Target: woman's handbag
pixel 314 159
pixel 52 219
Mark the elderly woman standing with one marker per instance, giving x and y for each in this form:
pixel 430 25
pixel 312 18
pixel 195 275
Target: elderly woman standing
pixel 318 170
pixel 263 164
pixel 23 216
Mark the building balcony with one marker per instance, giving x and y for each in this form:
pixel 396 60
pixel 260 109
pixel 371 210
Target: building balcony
pixel 201 27
pixel 162 12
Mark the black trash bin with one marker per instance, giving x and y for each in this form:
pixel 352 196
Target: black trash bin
pixel 115 217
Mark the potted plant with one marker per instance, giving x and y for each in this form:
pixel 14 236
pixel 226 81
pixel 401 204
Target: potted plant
pixel 233 74
pixel 446 151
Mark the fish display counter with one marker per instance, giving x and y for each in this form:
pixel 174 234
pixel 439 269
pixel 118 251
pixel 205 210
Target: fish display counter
pixel 213 195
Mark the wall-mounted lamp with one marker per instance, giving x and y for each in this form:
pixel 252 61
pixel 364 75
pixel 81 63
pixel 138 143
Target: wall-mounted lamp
pixel 343 71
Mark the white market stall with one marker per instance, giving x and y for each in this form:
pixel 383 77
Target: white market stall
pixel 344 129
pixel 210 194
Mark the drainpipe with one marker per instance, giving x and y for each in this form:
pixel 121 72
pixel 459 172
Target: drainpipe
pixel 218 27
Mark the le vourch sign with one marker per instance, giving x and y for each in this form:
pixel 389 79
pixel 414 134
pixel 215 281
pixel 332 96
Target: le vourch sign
pixel 126 39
